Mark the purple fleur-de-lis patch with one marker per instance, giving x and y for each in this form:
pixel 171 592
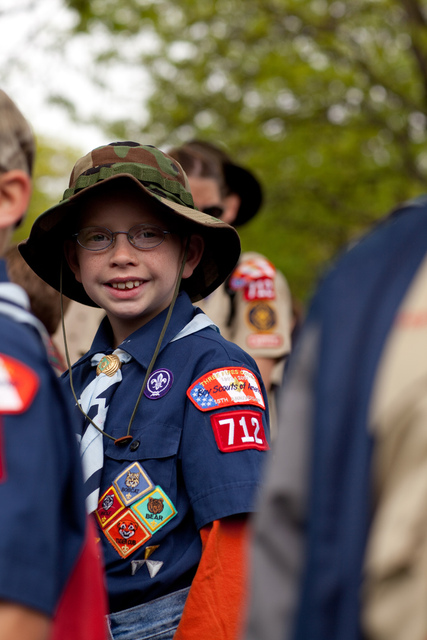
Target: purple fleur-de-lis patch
pixel 158 384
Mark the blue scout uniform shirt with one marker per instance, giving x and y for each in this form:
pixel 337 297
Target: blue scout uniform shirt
pixel 189 462
pixel 43 521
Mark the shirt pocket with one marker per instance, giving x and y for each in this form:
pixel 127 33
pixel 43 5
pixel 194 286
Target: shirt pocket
pixel 156 451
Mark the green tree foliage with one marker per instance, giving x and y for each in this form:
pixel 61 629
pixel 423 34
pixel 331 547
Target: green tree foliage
pixel 324 99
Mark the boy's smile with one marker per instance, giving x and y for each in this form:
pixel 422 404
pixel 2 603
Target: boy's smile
pixel 133 285
pixel 125 285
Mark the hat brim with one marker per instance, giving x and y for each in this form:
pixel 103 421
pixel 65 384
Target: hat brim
pixel 44 249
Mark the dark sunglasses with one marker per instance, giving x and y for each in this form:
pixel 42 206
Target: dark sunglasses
pixel 215 211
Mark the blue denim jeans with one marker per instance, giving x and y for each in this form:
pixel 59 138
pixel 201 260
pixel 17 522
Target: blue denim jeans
pixel 155 620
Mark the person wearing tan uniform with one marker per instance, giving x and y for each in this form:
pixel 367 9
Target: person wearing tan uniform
pixel 340 542
pixel 395 583
pixel 253 308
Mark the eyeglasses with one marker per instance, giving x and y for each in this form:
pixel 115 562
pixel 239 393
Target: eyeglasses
pixel 141 236
pixel 216 211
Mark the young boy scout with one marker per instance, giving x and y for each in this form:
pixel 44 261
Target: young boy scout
pixel 175 430
pixel 51 585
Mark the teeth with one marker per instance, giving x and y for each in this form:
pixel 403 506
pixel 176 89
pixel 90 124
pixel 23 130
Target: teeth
pixel 126 285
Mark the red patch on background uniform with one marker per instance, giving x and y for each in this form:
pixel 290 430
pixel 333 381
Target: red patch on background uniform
pixel 18 385
pixel 256 278
pixel 264 340
pixel 412 319
pixel 238 430
pixel 262 289
pixel 250 271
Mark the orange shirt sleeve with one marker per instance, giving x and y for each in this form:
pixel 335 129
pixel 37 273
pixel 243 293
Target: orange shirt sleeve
pixel 217 597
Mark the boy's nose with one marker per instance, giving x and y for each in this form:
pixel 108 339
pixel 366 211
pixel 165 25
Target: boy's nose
pixel 122 249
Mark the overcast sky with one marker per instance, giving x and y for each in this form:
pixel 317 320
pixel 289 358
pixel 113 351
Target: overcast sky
pixel 33 65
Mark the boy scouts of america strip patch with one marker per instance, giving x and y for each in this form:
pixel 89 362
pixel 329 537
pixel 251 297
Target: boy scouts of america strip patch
pixel 18 385
pixel 224 388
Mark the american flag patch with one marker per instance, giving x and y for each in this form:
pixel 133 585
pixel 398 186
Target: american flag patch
pixel 226 387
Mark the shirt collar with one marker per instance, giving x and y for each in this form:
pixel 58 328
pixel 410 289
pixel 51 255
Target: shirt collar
pixel 142 343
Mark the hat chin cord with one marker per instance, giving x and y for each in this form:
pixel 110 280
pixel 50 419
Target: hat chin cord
pixel 127 438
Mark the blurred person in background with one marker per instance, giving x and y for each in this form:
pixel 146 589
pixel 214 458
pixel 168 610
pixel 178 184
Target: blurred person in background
pixel 253 308
pixel 340 543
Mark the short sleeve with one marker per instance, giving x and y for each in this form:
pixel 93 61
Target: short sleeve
pixel 223 453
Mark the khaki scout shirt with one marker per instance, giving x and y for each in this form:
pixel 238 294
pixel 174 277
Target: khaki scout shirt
pixel 395 584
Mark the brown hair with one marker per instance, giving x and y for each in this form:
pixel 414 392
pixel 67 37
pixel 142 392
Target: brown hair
pixel 200 165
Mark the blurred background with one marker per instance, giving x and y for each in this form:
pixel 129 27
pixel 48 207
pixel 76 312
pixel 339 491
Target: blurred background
pixel 325 100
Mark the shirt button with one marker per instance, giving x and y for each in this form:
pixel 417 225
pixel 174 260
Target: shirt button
pixel 134 445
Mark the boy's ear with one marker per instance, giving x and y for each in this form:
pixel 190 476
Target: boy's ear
pixel 195 252
pixel 71 257
pixel 15 193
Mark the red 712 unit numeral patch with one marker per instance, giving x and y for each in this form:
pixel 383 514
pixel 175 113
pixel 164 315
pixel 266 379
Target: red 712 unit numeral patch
pixel 238 430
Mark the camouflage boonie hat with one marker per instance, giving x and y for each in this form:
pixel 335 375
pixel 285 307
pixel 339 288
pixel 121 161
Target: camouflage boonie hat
pixel 163 184
pixel 17 146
